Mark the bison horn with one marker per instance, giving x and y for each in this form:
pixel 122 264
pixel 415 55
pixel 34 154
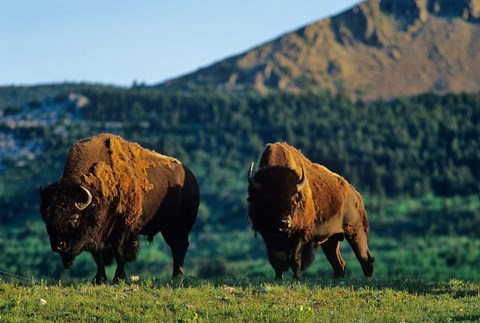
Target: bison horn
pixel 83 206
pixel 303 180
pixel 251 181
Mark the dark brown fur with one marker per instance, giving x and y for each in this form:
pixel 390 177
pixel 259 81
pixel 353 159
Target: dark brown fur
pixel 135 191
pixel 292 222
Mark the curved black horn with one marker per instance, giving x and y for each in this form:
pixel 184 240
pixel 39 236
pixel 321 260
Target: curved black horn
pixel 251 181
pixel 83 206
pixel 302 181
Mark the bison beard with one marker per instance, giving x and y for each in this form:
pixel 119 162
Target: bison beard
pixel 297 205
pixel 110 192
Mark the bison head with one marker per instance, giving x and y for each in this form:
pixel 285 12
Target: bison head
pixel 275 199
pixel 64 209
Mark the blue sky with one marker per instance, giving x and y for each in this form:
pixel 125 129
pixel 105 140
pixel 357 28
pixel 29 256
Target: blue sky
pixel 117 42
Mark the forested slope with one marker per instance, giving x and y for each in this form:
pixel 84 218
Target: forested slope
pixel 414 159
pixel 426 144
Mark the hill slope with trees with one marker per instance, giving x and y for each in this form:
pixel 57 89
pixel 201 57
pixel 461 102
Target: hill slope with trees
pixel 415 160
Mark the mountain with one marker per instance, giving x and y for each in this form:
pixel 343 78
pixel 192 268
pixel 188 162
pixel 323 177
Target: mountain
pixel 378 49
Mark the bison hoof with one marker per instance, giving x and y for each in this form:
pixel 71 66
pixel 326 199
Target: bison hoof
pixel 99 280
pixel 178 272
pixel 368 270
pixel 118 280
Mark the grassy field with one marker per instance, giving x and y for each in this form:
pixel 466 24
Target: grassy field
pixel 248 299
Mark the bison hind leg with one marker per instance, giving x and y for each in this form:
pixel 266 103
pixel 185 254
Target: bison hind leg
pixel 357 237
pixel 178 242
pixel 331 249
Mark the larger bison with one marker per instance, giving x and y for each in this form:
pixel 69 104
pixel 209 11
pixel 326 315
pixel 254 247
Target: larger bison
pixel 111 192
pixel 296 205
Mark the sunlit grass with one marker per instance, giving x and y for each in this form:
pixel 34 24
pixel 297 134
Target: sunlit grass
pixel 243 299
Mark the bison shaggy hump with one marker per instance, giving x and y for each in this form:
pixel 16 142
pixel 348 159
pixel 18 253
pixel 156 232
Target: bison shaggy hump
pixel 122 177
pixel 111 191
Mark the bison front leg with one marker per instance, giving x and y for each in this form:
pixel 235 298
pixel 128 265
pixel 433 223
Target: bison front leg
pixel 296 260
pixel 127 249
pixel 279 262
pixel 101 275
pixel 120 271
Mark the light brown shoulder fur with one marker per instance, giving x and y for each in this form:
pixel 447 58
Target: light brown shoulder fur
pixel 325 192
pixel 118 171
pixel 329 190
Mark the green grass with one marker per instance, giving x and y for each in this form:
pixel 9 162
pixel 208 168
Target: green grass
pixel 249 299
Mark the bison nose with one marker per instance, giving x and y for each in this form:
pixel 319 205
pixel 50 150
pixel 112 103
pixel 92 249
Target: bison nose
pixel 61 246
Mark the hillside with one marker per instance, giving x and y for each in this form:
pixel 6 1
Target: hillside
pixel 415 161
pixel 17 96
pixel 378 49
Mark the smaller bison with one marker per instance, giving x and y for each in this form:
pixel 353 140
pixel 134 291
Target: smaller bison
pixel 297 205
pixel 111 192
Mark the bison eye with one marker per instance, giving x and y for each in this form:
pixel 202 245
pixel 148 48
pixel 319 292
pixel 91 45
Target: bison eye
pixel 75 221
pixel 296 198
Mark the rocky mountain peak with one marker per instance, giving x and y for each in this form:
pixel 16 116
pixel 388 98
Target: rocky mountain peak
pixel 369 19
pixel 419 9
pixel 378 49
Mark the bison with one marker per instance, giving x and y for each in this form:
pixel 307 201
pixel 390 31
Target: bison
pixel 111 192
pixel 296 205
